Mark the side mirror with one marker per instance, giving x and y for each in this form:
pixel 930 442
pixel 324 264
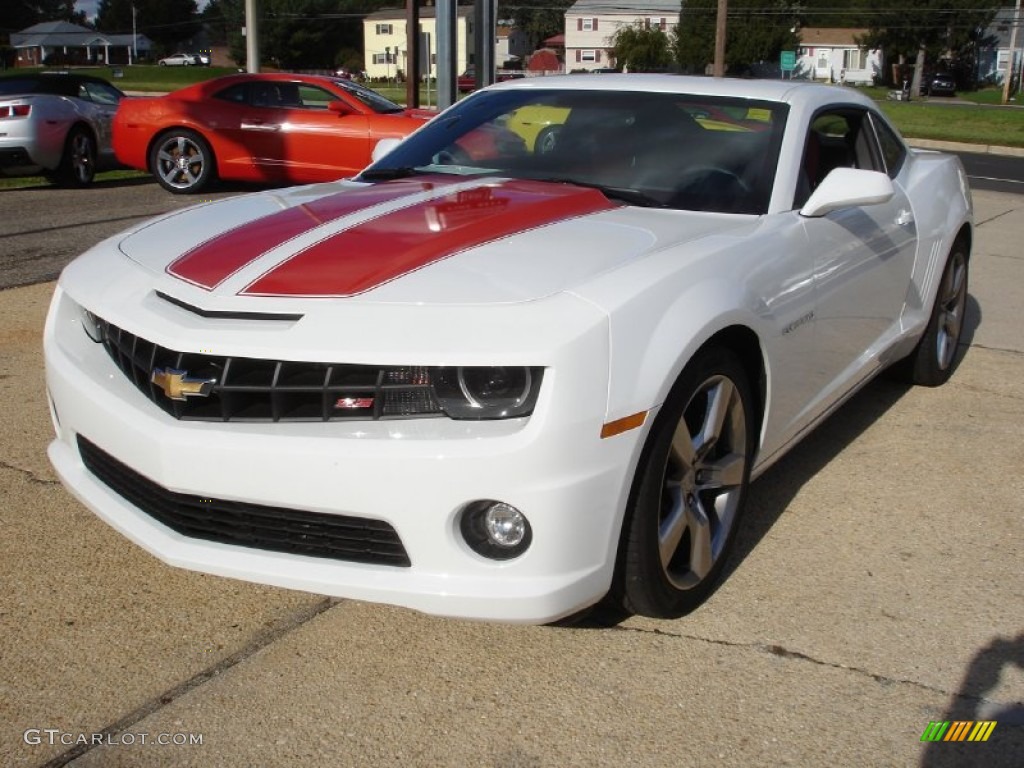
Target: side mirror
pixel 339 107
pixel 847 188
pixel 382 148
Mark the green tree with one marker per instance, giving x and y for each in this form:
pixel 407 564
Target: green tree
pixel 925 31
pixel 539 19
pixel 641 48
pixel 21 14
pixel 756 31
pixel 166 22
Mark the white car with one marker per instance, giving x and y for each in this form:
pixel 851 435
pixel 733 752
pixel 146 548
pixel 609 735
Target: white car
pixel 483 381
pixel 57 124
pixel 180 60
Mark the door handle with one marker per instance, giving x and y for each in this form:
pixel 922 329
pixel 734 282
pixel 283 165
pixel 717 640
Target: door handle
pixel 259 125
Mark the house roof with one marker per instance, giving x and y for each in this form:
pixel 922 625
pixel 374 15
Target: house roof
pixel 830 36
pixel 54 34
pixel 625 7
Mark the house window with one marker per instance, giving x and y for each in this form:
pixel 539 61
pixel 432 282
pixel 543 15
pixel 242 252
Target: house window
pixel 855 59
pixel 586 25
pixel 385 29
pixel 823 58
pixel 656 22
pixel 381 58
pixel 590 55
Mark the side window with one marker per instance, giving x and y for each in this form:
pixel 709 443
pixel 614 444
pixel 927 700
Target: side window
pixel 893 150
pixel 101 93
pixel 312 97
pixel 235 94
pixel 836 139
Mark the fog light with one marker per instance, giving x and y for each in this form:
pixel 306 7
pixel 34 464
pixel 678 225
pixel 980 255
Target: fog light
pixel 495 529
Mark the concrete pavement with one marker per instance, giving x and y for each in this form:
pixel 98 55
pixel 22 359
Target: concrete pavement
pixel 878 587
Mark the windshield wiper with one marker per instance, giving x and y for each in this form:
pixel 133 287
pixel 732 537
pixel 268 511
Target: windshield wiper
pixel 385 174
pixel 625 194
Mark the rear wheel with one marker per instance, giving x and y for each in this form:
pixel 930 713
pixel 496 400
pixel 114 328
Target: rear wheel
pixel 78 163
pixel 689 491
pixel 182 161
pixel 931 362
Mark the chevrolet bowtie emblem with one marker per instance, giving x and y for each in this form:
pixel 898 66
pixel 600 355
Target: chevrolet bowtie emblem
pixel 178 385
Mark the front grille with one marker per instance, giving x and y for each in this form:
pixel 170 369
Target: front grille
pixel 276 529
pixel 252 390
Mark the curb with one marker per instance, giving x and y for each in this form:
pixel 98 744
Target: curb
pixel 956 146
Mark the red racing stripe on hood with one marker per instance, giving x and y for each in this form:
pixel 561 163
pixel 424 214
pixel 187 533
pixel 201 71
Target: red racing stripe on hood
pixel 375 252
pixel 212 262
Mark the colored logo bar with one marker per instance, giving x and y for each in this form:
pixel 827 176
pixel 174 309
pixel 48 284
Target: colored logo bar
pixel 959 730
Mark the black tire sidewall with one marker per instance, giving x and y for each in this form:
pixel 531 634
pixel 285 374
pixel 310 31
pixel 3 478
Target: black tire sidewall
pixel 208 162
pixel 641 585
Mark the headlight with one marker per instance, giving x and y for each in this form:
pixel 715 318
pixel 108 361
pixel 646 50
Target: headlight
pixel 486 392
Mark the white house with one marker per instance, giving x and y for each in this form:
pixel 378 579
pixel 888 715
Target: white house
pixel 993 58
pixel 61 42
pixel 834 56
pixel 591 24
pixel 385 44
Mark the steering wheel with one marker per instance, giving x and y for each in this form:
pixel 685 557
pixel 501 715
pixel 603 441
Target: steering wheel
pixel 709 188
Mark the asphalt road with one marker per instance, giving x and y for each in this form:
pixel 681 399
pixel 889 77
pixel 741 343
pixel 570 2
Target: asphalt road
pixel 994 173
pixel 877 588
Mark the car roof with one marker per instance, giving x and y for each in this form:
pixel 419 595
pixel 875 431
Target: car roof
pixel 56 83
pixel 800 92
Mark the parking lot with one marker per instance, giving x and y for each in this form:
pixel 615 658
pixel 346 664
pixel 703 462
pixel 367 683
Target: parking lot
pixel 877 588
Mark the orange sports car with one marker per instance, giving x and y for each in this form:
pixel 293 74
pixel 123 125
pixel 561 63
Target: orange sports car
pixel 275 128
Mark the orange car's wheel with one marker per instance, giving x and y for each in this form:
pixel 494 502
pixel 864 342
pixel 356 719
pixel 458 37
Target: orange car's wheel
pixel 182 161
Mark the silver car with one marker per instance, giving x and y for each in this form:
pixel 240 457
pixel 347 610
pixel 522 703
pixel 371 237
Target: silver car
pixel 57 124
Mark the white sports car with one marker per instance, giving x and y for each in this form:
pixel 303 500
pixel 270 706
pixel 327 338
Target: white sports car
pixel 502 378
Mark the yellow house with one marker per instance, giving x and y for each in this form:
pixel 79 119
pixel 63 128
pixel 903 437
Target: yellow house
pixel 385 42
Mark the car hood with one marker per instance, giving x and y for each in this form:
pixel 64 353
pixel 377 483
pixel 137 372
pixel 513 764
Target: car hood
pixel 437 239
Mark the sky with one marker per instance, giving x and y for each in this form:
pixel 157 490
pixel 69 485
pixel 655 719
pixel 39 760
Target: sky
pixel 89 6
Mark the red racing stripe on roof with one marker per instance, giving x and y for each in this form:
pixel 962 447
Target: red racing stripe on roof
pixel 375 252
pixel 213 261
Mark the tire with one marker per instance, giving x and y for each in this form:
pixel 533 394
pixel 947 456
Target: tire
pixel 78 163
pixel 685 505
pixel 182 161
pixel 932 361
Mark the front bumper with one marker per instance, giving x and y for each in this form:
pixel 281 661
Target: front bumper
pixel 415 475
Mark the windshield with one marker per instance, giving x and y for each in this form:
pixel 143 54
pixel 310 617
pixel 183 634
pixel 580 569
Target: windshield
pixel 368 96
pixel 655 149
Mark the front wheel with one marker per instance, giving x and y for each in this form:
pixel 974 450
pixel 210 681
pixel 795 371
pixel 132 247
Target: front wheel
pixel 931 362
pixel 182 161
pixel 689 490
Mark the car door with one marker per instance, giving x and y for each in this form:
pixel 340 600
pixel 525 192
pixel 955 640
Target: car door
pixel 294 136
pixel 104 100
pixel 864 255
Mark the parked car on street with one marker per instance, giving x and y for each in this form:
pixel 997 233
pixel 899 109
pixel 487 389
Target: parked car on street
pixel 58 125
pixel 180 60
pixel 511 384
pixel 275 128
pixel 467 80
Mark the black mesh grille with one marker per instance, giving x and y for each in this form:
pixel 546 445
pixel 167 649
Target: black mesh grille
pixel 276 529
pixel 246 389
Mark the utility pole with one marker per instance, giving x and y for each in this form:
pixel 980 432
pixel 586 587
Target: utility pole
pixel 252 40
pixel 723 9
pixel 1008 77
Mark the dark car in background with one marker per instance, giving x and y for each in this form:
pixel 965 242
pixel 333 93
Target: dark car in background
pixel 940 84
pixel 467 80
pixel 57 124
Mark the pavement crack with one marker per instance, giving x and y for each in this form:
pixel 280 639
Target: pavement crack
pixel 262 640
pixel 988 348
pixel 32 477
pixel 980 224
pixel 779 651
